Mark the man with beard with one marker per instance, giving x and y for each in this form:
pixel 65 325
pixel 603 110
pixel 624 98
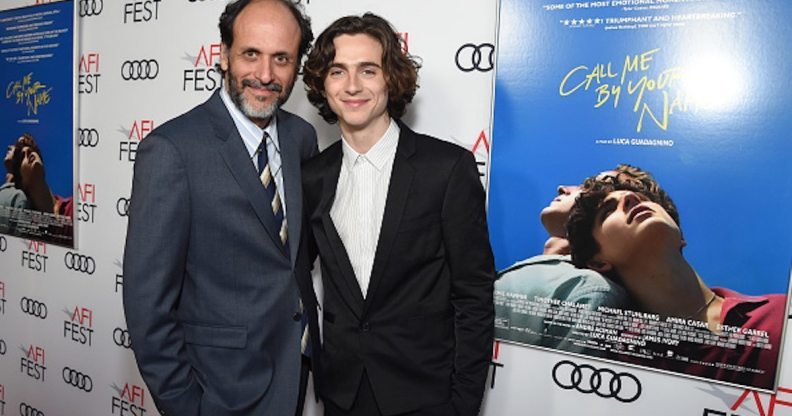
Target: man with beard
pixel 210 294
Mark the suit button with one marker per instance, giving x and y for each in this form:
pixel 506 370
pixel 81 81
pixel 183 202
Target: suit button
pixel 365 327
pixel 297 316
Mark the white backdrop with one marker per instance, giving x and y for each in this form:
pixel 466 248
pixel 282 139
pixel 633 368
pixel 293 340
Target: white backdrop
pixel 454 39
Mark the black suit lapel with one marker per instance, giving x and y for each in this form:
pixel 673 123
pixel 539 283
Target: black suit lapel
pixel 237 160
pixel 398 192
pixel 290 164
pixel 347 282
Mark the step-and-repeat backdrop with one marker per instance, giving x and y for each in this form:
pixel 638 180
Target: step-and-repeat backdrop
pixel 64 348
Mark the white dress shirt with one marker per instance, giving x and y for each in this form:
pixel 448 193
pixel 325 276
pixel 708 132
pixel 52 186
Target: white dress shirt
pixel 252 135
pixel 360 199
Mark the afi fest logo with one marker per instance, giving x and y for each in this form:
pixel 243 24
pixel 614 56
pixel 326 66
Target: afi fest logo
pixel 405 39
pixel 86 207
pixel 35 257
pixel 127 149
pixel 88 81
pixel 2 298
pixel 494 363
pixel 32 363
pixel 750 403
pixel 481 151
pixel 202 74
pixel 79 325
pixel 141 11
pixel 128 401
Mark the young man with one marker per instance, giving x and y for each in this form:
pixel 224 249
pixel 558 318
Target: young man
pixel 398 219
pixel 11 193
pixel 626 233
pixel 552 275
pixel 27 174
pixel 210 294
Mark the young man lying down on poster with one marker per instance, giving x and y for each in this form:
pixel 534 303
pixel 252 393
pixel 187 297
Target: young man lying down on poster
pixel 551 279
pixel 27 169
pixel 625 233
pixel 10 193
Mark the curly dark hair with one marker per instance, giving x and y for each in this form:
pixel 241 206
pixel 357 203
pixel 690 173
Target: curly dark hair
pixel 26 140
pixel 399 68
pixel 232 10
pixel 583 216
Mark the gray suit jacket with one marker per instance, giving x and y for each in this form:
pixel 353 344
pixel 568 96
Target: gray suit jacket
pixel 210 299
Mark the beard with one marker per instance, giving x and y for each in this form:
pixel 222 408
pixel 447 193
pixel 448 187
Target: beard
pixel 251 111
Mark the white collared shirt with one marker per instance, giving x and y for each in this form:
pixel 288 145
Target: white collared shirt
pixel 251 137
pixel 360 199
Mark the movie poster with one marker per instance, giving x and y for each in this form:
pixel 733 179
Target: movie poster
pixel 678 258
pixel 37 62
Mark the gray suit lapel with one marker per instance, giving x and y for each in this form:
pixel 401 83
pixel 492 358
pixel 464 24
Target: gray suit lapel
pixel 237 160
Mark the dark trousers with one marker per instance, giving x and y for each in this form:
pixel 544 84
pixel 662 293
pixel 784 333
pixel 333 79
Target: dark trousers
pixel 366 405
pixel 304 369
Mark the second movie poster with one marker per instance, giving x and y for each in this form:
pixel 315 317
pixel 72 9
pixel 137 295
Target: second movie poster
pixel 640 183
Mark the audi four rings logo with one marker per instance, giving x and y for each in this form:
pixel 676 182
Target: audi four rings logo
pixel 122 206
pixel 77 379
pixel 79 263
pixel 481 57
pixel 121 338
pixel 604 382
pixel 88 137
pixel 28 410
pixel 140 69
pixel 90 7
pixel 33 307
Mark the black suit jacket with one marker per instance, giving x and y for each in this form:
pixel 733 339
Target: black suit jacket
pixel 424 332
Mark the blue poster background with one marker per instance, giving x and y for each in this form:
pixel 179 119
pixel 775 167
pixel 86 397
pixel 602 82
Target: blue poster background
pixel 52 124
pixel 727 168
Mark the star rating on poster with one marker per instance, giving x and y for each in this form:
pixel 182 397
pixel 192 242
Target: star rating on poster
pixel 580 23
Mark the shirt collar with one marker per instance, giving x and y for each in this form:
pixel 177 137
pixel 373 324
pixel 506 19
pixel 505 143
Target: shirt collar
pixel 250 132
pixel 380 153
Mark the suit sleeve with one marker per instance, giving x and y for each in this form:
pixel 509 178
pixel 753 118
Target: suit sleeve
pixel 473 274
pixel 154 269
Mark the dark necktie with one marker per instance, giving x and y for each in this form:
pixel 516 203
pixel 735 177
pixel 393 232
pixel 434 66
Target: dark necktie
pixel 267 176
